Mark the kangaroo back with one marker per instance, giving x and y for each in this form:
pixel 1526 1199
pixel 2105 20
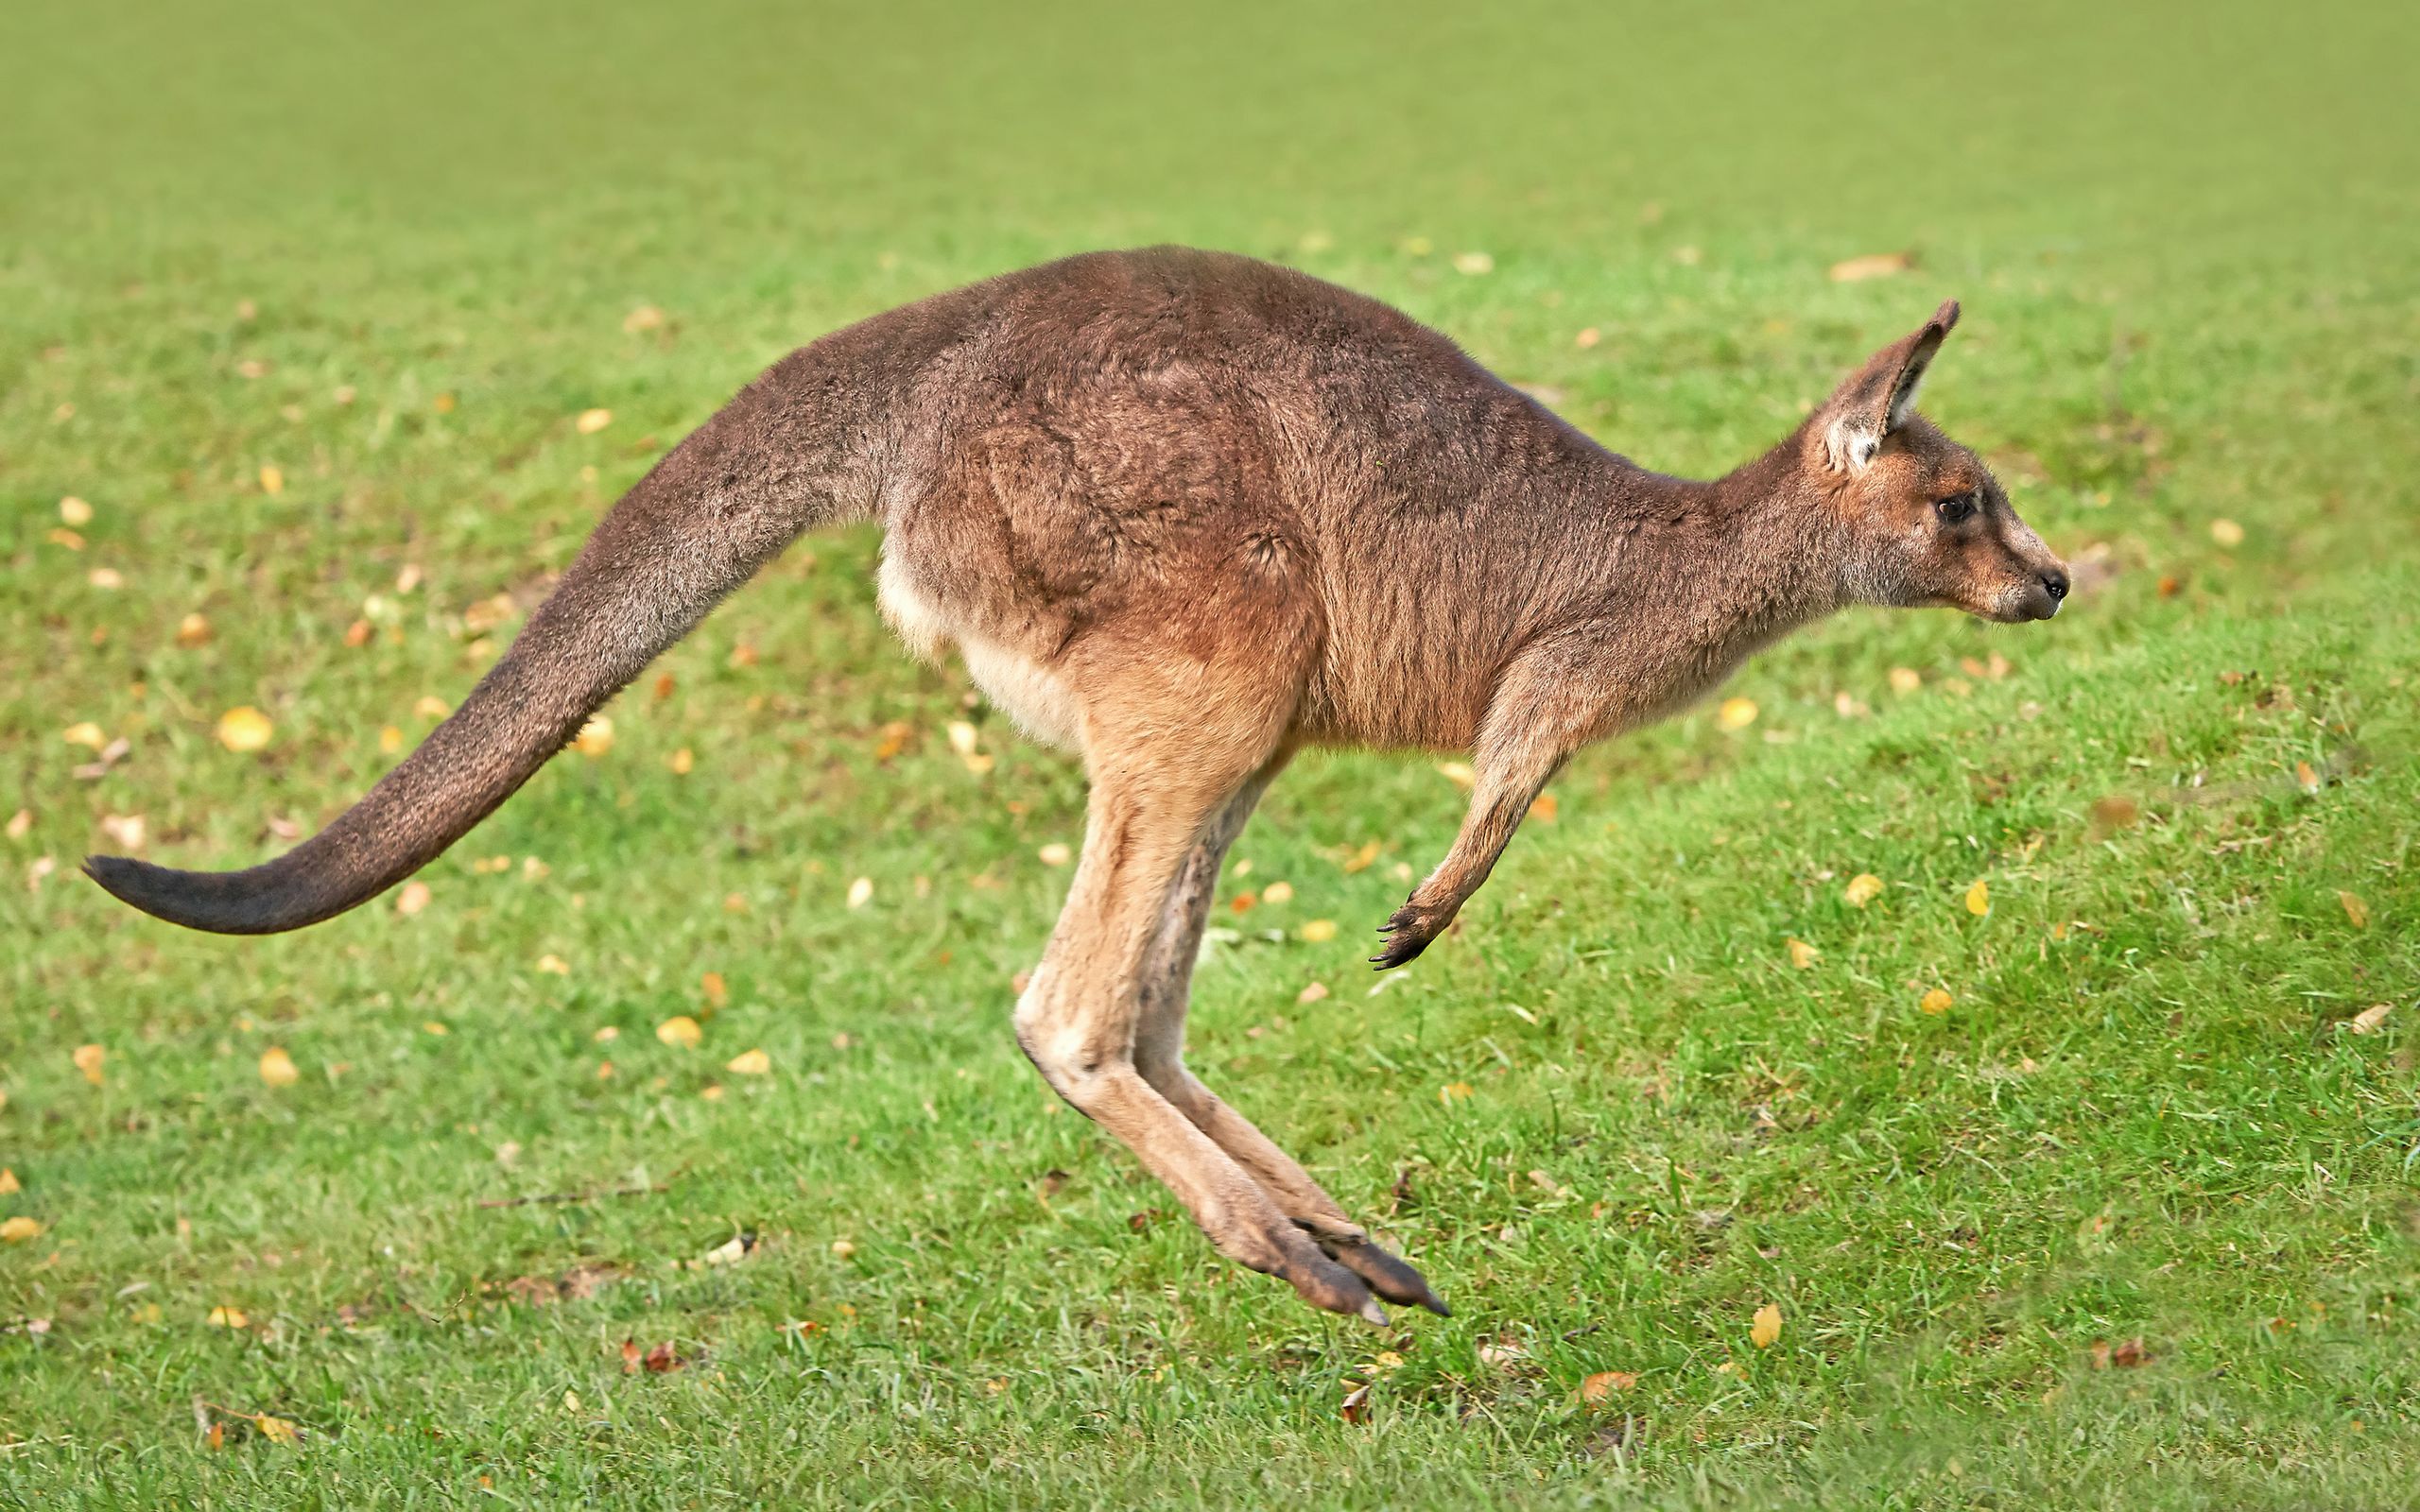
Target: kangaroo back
pixel 798 448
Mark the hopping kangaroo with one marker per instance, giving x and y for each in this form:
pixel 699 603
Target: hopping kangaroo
pixel 1183 514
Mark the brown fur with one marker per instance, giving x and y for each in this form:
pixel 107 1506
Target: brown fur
pixel 1183 514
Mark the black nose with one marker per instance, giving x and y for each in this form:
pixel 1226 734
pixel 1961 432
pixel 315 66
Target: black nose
pixel 2054 583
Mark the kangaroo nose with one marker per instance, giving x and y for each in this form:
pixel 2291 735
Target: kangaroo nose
pixel 2054 583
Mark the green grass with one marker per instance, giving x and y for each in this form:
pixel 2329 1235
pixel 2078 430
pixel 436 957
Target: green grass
pixel 2190 285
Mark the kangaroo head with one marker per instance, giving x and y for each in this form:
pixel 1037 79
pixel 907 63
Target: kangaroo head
pixel 1926 526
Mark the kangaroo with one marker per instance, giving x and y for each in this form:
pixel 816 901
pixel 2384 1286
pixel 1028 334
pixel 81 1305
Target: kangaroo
pixel 1183 514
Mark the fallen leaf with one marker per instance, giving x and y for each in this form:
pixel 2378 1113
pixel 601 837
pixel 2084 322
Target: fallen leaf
pixel 1453 1091
pixel 606 1034
pixel 1312 994
pixel 751 1063
pixel 18 1229
pixel 1802 954
pixel 664 1358
pixel 731 1251
pixel 860 892
pixel 1979 899
pixel 1874 265
pixel 1361 859
pixel 276 1430
pixel 631 1357
pixel 20 823
pixel 88 1060
pixel 413 899
pixel 2356 910
pixel 1935 1000
pixel 1605 1382
pixel 642 318
pixel 1767 1327
pixel 1056 853
pixel 1355 1408
pixel 683 762
pixel 85 733
pixel 2368 1020
pixel 718 992
pixel 2226 533
pixel 433 1027
pixel 277 1067
pixel 680 1030
pixel 106 577
pixel 1320 931
pixel 1736 713
pixel 554 965
pixel 1277 892
pixel 1459 773
pixel 223 1316
pixel 431 706
pixel 593 420
pixel 1546 808
pixel 75 512
pixel 273 480
pixel 842 1248
pixel 1473 264
pixel 1863 890
pixel 1905 680
pixel 2116 812
pixel 595 737
pixel 244 728
pixel 126 830
pixel 2305 777
pixel 10 1186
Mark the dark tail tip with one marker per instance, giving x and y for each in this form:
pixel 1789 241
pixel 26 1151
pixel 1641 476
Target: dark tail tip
pixel 259 901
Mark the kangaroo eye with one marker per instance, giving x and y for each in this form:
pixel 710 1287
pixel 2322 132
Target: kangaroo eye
pixel 1955 509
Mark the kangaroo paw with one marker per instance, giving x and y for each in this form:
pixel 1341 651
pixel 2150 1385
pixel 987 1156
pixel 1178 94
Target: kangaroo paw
pixel 1405 936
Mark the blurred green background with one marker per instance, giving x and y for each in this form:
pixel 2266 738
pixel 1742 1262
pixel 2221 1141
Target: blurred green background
pixel 302 306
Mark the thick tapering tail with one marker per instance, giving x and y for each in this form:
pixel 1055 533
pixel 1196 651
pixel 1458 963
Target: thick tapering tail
pixel 778 460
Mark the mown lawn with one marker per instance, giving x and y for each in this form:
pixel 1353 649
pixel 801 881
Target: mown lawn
pixel 308 317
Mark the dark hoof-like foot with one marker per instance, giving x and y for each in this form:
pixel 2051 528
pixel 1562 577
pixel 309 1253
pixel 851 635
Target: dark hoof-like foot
pixel 1324 1283
pixel 1405 934
pixel 1389 1276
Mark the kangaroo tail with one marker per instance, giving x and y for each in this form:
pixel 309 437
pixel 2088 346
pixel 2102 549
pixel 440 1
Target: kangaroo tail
pixel 794 451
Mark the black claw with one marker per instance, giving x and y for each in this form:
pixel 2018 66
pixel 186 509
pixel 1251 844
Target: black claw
pixel 1389 1277
pixel 1405 936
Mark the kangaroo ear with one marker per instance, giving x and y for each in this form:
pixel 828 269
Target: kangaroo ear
pixel 1875 402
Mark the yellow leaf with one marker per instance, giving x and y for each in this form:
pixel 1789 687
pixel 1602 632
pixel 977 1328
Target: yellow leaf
pixel 413 899
pixel 86 734
pixel 593 420
pixel 1320 931
pixel 272 478
pixel 18 1229
pixel 1277 892
pixel 1736 713
pixel 1604 1384
pixel 75 512
pixel 277 1067
pixel 1361 859
pixel 1802 954
pixel 683 762
pixel 595 737
pixel 643 318
pixel 1863 890
pixel 433 1027
pixel 718 990
pixel 2226 533
pixel 1979 899
pixel 1459 773
pixel 193 630
pixel 606 1034
pixel 88 1060
pixel 431 706
pixel 1767 1327
pixel 276 1430
pixel 1546 808
pixel 680 1030
pixel 1474 264
pixel 2356 910
pixel 843 1248
pixel 861 892
pixel 1453 1091
pixel 223 1316
pixel 751 1063
pixel 554 965
pixel 1905 680
pixel 244 728
pixel 1056 853
pixel 8 1185
pixel 1874 265
pixel 1935 1000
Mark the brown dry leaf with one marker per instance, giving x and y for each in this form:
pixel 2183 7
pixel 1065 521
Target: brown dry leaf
pixel 245 729
pixel 751 1063
pixel 1355 1408
pixel 2368 1020
pixel 631 1357
pixel 126 830
pixel 896 736
pixel 278 1069
pixel 1605 1382
pixel 680 1031
pixel 664 1358
pixel 2356 910
pixel 2306 777
pixel 1874 265
pixel 1863 890
pixel 106 577
pixel 717 990
pixel 18 1229
pixel 1979 899
pixel 413 898
pixel 356 634
pixel 1544 808
pixel 2116 812
pixel 595 737
pixel 1802 954
pixel 88 1060
pixel 593 420
pixel 1936 1001
pixel 1767 1326
pixel 1736 713
pixel 1312 994
pixel 1320 931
